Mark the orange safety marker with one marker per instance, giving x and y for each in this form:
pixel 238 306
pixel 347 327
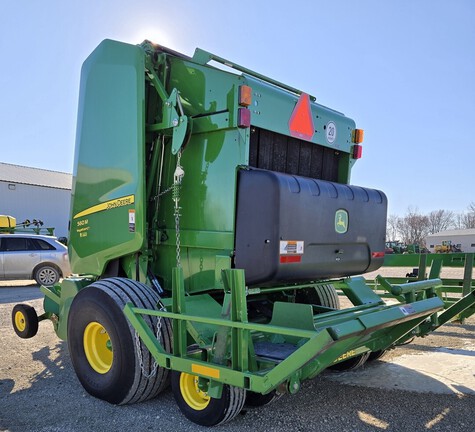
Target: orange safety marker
pixel 301 122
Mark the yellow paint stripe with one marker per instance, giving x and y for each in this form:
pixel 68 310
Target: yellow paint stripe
pixel 108 205
pixel 205 370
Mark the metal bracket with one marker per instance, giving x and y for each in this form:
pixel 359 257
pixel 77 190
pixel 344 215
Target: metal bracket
pixel 173 116
pixel 203 57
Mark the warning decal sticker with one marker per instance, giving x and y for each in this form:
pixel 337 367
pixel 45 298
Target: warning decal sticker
pixel 291 247
pixel 131 220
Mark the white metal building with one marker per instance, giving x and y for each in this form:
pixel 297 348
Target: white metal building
pixel 465 238
pixel 33 193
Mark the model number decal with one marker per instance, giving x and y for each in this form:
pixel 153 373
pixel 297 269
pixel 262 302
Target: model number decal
pixel 82 222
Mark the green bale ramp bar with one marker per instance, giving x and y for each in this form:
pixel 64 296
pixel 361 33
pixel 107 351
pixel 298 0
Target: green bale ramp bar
pixel 451 290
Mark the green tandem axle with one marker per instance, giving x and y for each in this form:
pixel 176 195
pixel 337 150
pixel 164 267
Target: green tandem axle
pixel 214 230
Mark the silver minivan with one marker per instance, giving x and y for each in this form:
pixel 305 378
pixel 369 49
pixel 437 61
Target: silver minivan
pixel 31 256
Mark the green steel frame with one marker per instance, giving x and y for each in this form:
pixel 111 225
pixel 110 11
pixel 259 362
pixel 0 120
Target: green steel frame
pixel 320 340
pixel 451 290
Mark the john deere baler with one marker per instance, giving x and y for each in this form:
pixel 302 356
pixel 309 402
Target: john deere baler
pixel 212 223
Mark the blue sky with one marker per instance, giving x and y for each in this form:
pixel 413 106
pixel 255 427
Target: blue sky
pixel 403 70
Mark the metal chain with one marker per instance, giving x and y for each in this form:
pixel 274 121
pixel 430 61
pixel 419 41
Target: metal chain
pixel 164 192
pixel 175 188
pixel 139 349
pixel 177 178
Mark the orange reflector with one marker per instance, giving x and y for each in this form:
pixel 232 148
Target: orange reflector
pixel 301 122
pixel 358 135
pixel 357 151
pixel 205 370
pixel 245 95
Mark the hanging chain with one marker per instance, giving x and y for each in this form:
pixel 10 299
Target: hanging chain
pixel 139 348
pixel 177 178
pixel 165 191
pixel 175 189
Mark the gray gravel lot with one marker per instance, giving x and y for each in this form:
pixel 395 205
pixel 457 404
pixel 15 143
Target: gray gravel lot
pixel 39 392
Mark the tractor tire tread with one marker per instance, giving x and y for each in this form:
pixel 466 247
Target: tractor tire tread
pixel 143 297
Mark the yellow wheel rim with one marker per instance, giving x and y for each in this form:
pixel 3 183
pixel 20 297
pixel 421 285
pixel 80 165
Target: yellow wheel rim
pixel 192 394
pixel 98 347
pixel 20 321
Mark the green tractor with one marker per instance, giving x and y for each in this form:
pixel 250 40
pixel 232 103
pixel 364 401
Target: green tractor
pixel 212 224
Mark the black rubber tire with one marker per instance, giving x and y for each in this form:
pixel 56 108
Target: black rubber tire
pixel 322 295
pixel 47 275
pixel 351 364
pixel 376 355
pixel 126 382
pixel 218 411
pixel 255 400
pixel 28 318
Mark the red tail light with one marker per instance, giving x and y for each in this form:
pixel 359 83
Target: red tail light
pixel 357 151
pixel 244 118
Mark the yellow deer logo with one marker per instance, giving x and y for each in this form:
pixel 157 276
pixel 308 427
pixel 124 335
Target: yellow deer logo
pixel 341 221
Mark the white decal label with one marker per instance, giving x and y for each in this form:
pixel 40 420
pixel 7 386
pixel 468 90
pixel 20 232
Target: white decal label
pixel 291 247
pixel 330 132
pixel 131 220
pixel 407 310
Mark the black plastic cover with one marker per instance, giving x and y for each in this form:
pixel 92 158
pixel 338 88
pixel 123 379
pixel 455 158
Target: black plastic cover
pixel 291 228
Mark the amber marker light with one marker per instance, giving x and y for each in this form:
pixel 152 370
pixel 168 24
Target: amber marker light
pixel 245 95
pixel 358 136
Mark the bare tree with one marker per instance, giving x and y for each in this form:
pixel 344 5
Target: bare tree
pixel 414 227
pixel 458 221
pixel 392 231
pixel 468 220
pixel 440 220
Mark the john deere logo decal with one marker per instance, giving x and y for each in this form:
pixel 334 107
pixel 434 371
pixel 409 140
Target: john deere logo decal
pixel 341 221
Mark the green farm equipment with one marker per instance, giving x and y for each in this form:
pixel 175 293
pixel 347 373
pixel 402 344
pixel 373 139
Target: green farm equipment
pixel 9 225
pixel 212 228
pixel 450 289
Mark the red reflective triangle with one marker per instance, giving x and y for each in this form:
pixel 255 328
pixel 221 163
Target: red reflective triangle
pixel 301 122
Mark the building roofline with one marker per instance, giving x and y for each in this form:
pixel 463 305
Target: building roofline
pixel 35 168
pixel 461 232
pixel 20 174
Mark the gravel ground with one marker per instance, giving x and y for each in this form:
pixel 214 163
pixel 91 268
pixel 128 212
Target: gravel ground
pixel 39 391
